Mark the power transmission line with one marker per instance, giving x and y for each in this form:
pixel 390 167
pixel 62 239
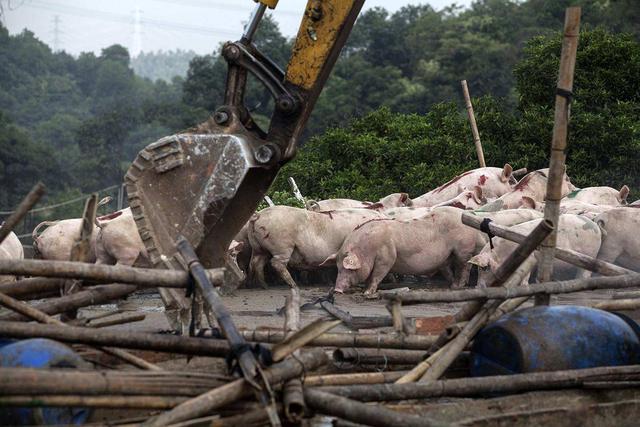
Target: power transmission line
pixel 126 19
pixel 56 33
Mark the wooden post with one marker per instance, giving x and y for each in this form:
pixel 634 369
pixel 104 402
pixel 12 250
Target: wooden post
pixel 25 205
pixel 292 397
pixel 472 122
pixel 81 250
pixel 559 143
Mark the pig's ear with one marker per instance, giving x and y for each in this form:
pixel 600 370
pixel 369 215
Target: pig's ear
pixel 477 195
pixel 405 200
pixel 624 192
pixel 351 262
pixel 331 260
pixel 481 260
pixel 506 173
pixel 528 202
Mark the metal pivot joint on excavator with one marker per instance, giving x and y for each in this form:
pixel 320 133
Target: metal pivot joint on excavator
pixel 205 183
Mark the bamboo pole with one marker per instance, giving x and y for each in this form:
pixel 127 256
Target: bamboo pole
pixel 92 296
pixel 381 357
pixel 350 379
pixel 143 277
pixel 520 172
pixel 351 410
pixel 292 397
pixel 24 288
pixel 566 255
pixel 377 340
pixel 118 320
pixel 113 338
pixel 106 401
pixel 81 251
pixel 472 122
pixel 553 287
pixel 60 381
pixel 35 314
pixel 23 208
pixel 618 305
pixel 296 192
pixel 301 338
pixel 559 143
pixel 466 387
pixel 240 388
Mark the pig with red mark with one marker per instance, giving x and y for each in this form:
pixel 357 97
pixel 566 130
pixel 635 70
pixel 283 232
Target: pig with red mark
pixel 467 200
pixel 528 192
pixel 494 182
pixel 56 241
pixel 605 196
pixel 432 243
pixel 574 232
pixel 287 236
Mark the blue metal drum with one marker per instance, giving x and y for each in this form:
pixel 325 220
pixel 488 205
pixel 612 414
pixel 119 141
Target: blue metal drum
pixel 553 338
pixel 41 353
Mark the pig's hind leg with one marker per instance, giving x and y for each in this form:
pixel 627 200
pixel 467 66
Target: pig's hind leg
pixel 381 267
pixel 279 263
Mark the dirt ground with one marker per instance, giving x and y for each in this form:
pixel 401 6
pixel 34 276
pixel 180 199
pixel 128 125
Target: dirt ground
pixel 257 307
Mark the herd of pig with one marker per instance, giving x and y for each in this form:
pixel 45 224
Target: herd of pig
pixel 368 240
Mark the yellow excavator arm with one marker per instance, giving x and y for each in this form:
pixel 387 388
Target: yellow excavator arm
pixel 205 184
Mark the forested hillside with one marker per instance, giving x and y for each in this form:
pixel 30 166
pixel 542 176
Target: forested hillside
pixel 162 65
pixel 76 123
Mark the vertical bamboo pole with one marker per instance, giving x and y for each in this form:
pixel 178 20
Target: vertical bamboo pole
pixel 559 144
pixel 472 122
pixel 21 211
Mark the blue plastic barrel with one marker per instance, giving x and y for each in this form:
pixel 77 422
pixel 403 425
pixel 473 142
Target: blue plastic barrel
pixel 41 353
pixel 553 338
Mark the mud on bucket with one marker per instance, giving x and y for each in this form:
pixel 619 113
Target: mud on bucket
pixel 554 338
pixel 41 353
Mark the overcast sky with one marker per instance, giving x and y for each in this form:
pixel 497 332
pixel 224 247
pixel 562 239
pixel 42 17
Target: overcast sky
pixel 150 25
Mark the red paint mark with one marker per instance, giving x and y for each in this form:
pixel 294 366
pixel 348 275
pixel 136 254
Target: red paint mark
pixel 266 236
pixel 453 181
pixel 456 204
pixel 375 206
pixel 327 213
pixel 372 220
pixel 110 216
pixel 482 180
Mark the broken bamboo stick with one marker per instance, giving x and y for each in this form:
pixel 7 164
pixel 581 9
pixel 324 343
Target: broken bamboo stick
pixel 350 379
pixel 292 397
pixel 23 289
pixel 567 255
pixel 553 287
pixel 122 339
pixel 301 338
pixel 478 386
pixel 117 320
pixel 91 296
pixel 143 277
pixel 381 357
pixel 558 156
pixel 473 124
pixel 81 251
pixel 618 305
pixel 23 208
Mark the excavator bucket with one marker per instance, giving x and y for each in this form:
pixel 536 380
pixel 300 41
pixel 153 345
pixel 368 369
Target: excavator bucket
pixel 204 184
